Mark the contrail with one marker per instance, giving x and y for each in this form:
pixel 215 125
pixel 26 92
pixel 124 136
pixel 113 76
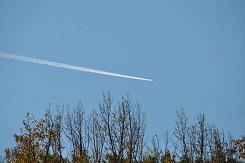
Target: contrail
pixel 67 66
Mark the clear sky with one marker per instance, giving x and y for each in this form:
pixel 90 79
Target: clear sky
pixel 193 50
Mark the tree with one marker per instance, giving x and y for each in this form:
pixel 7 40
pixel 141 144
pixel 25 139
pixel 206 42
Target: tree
pixel 57 144
pixel 240 143
pixel 231 151
pixel 156 152
pixel 39 140
pixel 218 149
pixel 201 131
pixel 115 133
pixel 181 134
pixel 51 128
pixel 77 132
pixel 150 159
pixel 124 127
pixel 27 147
pixel 166 158
pixel 136 131
pixel 97 137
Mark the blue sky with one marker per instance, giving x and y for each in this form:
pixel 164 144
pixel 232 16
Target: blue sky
pixel 193 50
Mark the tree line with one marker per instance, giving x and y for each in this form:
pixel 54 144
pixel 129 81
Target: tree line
pixel 115 133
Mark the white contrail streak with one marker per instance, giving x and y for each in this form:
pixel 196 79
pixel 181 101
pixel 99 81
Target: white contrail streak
pixel 67 66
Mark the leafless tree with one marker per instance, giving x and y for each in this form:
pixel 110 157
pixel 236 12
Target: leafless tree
pixel 200 130
pixel 181 134
pixel 124 127
pixel 136 129
pixel 97 138
pixel 192 142
pixel 156 148
pixel 166 141
pixel 217 145
pixel 77 132
pixel 108 124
